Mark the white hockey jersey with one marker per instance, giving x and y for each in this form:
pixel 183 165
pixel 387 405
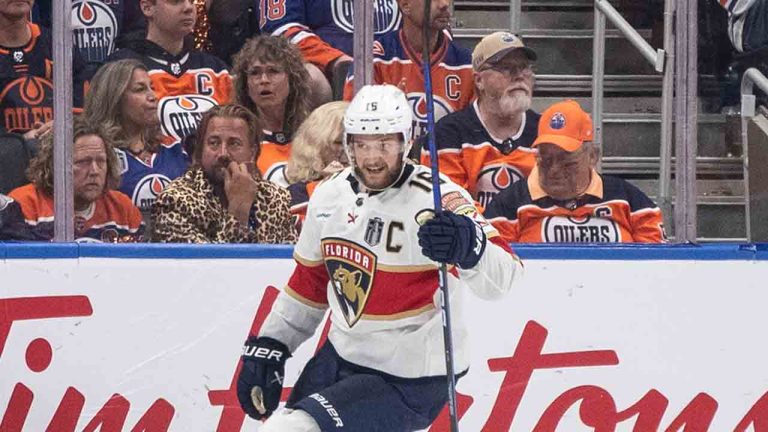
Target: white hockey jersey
pixel 358 255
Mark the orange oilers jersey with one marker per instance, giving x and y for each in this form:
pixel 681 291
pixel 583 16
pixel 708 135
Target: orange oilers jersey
pixel 186 85
pixel 611 211
pixel 480 163
pixel 26 82
pixel 273 157
pixel 111 219
pixel 395 62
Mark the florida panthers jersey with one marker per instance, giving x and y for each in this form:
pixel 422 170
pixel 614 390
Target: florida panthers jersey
pixel 110 219
pixel 358 255
pixel 186 85
pixel 143 182
pixel 483 164
pixel 96 24
pixel 26 82
pixel 396 63
pixel 273 157
pixel 323 29
pixel 611 211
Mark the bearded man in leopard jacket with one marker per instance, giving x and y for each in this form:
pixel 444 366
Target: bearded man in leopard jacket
pixel 221 198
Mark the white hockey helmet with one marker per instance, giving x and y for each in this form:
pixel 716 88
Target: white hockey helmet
pixel 378 110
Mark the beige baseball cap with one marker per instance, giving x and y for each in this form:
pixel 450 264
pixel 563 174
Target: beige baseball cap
pixel 495 46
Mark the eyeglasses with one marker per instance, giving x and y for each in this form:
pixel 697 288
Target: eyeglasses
pixel 525 70
pixel 270 71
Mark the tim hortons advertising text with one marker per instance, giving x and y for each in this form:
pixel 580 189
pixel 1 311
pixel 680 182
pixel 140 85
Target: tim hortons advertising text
pixel 152 345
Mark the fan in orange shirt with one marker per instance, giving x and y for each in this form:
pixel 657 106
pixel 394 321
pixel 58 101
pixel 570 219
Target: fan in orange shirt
pixel 565 200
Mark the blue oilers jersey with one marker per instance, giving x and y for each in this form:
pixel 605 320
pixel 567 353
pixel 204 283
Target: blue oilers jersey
pixel 96 24
pixel 332 21
pixel 143 182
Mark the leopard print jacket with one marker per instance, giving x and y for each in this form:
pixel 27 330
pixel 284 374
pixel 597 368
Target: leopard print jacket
pixel 187 211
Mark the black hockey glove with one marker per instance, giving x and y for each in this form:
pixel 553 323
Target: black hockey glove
pixel 260 382
pixel 452 239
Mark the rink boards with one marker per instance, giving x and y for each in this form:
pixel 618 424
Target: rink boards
pixel 110 338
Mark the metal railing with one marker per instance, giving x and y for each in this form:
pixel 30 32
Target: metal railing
pixel 751 78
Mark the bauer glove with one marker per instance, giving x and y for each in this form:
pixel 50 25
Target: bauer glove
pixel 452 239
pixel 260 382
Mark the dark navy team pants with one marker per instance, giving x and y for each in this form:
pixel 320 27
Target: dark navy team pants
pixel 342 396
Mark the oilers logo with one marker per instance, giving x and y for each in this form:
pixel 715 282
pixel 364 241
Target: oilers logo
pixel 386 15
pixel 25 101
pixel 494 179
pixel 180 115
pixel 94 28
pixel 147 189
pixel 587 229
pixel 418 103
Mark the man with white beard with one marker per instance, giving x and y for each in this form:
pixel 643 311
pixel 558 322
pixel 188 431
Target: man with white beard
pixel 486 147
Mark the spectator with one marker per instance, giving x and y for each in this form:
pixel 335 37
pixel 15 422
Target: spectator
pixel 186 82
pixel 270 80
pixel 12 224
pixel 219 199
pixel 122 101
pixel 486 147
pixel 96 27
pixel 397 61
pixel 101 213
pixel 747 24
pixel 323 29
pixel 26 75
pixel 565 200
pixel 317 153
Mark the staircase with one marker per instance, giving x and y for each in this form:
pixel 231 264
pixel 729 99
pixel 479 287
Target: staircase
pixel 561 33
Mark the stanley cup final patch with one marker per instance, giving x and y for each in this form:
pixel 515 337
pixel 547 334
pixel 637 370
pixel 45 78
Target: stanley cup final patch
pixel 351 268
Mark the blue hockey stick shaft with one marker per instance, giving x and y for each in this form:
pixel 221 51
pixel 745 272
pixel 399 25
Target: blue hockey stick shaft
pixel 445 306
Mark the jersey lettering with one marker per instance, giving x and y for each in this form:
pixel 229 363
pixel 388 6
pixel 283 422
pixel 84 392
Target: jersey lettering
pixel 391 247
pixel 453 87
pixel 204 84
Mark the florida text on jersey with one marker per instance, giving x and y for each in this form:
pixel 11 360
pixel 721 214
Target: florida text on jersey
pixel 396 62
pixel 358 255
pixel 95 26
pixel 323 29
pixel 186 85
pixel 26 81
pixel 611 211
pixel 482 164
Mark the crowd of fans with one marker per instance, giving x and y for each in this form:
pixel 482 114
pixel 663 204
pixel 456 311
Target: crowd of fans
pixel 185 134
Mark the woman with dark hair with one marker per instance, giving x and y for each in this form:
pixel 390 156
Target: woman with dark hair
pixel 122 102
pixel 101 213
pixel 272 81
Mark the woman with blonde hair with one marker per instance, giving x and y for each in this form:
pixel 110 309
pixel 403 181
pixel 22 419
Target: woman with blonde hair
pixel 122 102
pixel 271 81
pixel 318 152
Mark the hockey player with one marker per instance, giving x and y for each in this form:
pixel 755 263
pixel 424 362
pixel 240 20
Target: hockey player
pixel 383 367
pixel 397 61
pixel 486 147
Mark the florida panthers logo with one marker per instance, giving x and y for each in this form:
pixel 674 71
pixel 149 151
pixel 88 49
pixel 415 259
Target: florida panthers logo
pixel 180 115
pixel 494 179
pixel 585 229
pixel 147 189
pixel 25 101
pixel 94 28
pixel 418 103
pixel 386 15
pixel 351 268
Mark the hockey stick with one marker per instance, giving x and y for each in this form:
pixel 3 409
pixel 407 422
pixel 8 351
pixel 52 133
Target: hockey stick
pixel 445 305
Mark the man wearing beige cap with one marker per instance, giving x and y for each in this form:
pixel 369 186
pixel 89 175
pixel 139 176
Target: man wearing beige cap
pixel 486 147
pixel 565 200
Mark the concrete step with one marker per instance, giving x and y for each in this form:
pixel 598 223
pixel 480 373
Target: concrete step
pixel 618 104
pixel 721 168
pixel 529 19
pixel 569 52
pixel 551 85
